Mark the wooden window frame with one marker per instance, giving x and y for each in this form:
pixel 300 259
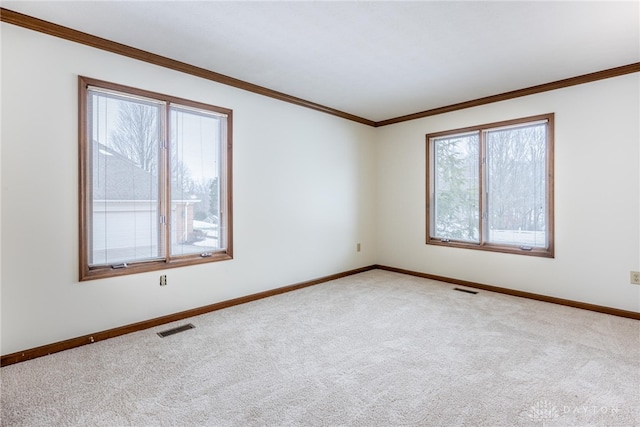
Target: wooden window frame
pixel 88 272
pixel 483 244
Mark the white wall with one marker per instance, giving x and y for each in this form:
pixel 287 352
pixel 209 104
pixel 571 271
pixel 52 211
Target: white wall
pixel 597 193
pixel 304 193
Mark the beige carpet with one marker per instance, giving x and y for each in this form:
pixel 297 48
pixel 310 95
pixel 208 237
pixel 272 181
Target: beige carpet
pixel 374 349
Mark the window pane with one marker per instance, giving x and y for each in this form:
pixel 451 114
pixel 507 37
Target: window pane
pixel 195 160
pixel 125 134
pixel 516 185
pixel 456 188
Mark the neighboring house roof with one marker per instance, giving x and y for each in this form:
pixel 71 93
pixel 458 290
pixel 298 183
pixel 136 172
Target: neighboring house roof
pixel 115 177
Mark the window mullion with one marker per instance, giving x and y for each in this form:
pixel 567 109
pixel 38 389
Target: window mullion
pixel 483 185
pixel 165 185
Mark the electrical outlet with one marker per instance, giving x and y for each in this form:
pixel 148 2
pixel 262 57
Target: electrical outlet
pixel 358 247
pixel 163 280
pixel 635 277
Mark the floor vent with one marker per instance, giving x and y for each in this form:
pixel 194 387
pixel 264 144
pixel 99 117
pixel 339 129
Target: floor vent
pixel 176 330
pixel 465 290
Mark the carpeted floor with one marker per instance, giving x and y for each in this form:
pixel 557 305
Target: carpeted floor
pixel 373 349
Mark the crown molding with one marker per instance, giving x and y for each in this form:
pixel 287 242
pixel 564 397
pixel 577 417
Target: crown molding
pixel 559 84
pixel 76 36
pixel 45 27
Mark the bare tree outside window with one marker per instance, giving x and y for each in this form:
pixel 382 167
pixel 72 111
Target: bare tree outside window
pixel 137 134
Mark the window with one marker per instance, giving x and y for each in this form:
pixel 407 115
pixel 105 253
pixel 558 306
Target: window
pixel 490 187
pixel 155 181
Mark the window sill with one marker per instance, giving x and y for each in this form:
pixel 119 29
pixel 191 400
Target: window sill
pixel 142 267
pixel 507 249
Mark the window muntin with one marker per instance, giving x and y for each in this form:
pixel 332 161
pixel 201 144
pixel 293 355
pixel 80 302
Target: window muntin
pixel 154 181
pixel 491 187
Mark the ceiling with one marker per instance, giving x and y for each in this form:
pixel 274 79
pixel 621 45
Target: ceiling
pixel 373 59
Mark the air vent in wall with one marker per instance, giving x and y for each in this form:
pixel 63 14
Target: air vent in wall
pixel 176 330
